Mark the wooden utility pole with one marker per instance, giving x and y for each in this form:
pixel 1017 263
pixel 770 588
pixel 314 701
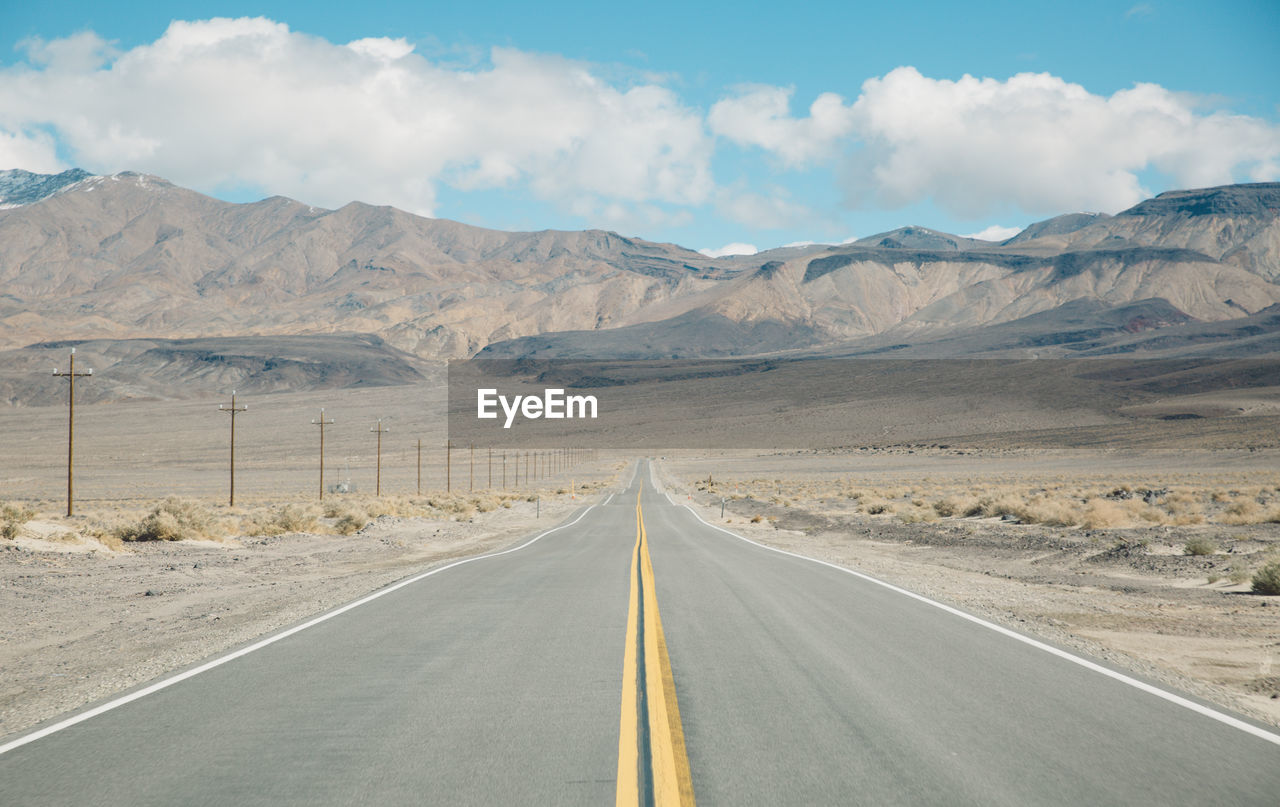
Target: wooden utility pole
pixel 71 375
pixel 322 423
pixel 504 469
pixel 378 479
pixel 233 410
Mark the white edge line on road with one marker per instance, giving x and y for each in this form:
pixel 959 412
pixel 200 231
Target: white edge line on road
pixel 1221 717
pixel 244 651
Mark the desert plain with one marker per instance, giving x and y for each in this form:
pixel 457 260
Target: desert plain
pixel 1129 551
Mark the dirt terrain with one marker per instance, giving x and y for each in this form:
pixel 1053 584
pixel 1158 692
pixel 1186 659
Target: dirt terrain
pixel 1128 593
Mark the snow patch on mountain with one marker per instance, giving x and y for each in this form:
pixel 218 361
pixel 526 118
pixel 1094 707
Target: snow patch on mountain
pixel 18 187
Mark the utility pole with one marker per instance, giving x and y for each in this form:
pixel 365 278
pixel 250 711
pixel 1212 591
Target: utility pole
pixel 233 410
pixel 71 375
pixel 378 479
pixel 490 486
pixel 322 423
pixel 504 469
pixel 471 471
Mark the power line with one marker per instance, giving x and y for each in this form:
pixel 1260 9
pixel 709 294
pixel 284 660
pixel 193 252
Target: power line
pixel 322 423
pixel 233 410
pixel 71 375
pixel 380 431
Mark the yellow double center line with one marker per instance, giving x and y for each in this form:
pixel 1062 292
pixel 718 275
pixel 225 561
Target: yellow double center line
pixel 653 767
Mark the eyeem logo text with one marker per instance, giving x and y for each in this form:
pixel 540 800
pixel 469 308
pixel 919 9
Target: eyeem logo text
pixel 553 405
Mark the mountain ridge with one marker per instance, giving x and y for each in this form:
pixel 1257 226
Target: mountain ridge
pixel 133 256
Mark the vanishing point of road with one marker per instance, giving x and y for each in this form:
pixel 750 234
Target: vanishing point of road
pixel 635 654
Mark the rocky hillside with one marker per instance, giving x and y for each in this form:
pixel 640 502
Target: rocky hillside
pixel 132 256
pixel 167 369
pixel 1191 256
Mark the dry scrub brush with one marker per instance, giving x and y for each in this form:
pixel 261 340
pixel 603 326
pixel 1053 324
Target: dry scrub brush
pixel 1081 501
pixel 173 519
pixel 1267 579
pixel 12 518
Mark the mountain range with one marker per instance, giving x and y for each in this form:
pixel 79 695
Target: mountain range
pixel 140 270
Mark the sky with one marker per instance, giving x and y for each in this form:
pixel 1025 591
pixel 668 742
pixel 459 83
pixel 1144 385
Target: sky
pixel 718 126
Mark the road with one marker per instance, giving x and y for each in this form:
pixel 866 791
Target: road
pixel 533 677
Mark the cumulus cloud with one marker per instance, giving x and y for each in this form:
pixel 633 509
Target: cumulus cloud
pixel 248 102
pixel 760 116
pixel 32 152
pixel 1041 143
pixel 995 232
pixel 774 211
pixel 730 249
pixel 1033 142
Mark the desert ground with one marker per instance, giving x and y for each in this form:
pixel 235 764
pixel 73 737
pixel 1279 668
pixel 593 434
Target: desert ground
pixel 1141 556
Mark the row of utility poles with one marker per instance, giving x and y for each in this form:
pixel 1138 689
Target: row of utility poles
pixel 538 463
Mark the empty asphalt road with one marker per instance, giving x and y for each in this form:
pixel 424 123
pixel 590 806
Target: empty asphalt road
pixel 500 681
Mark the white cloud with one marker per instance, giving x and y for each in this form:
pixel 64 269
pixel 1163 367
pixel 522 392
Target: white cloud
pixel 247 102
pixel 1033 141
pixel 996 232
pixel 730 249
pixel 31 152
pixel 1041 143
pixel 775 211
pixel 77 53
pixel 760 116
pixel 234 103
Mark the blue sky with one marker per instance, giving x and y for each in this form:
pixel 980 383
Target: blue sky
pixel 670 122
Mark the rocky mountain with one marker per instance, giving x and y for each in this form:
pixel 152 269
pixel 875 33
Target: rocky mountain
pixel 1200 256
pixel 134 257
pixel 921 238
pixel 1058 225
pixel 18 187
pixel 163 369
